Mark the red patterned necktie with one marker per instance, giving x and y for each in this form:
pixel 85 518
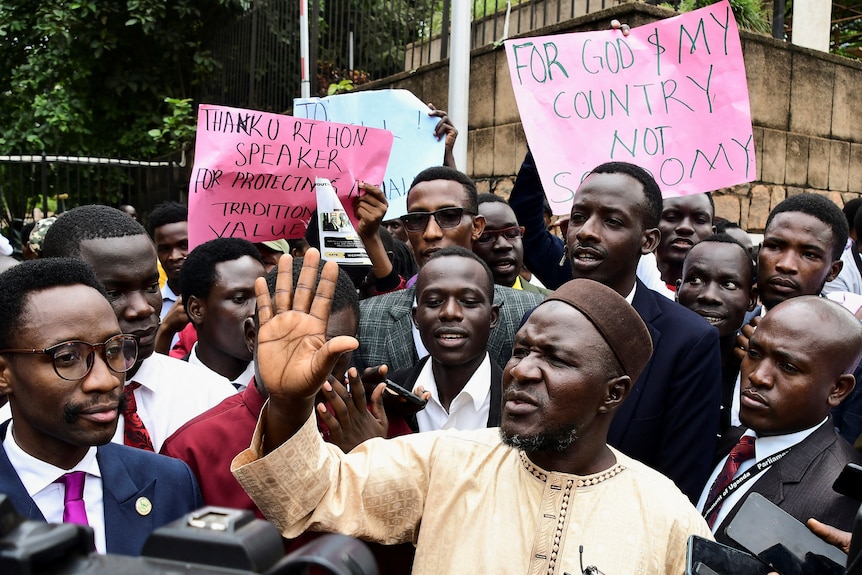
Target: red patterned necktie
pixel 134 433
pixel 74 510
pixel 742 451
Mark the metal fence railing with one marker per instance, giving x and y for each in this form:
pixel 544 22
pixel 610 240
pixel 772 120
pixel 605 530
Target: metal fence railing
pixel 34 185
pixel 357 40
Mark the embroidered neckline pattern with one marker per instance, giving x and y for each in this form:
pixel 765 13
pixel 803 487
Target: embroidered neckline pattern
pixel 586 481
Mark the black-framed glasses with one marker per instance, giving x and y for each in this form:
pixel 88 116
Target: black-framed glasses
pixel 510 233
pixel 445 217
pixel 73 360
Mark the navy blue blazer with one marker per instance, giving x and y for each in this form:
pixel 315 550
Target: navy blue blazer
pixel 670 419
pixel 127 474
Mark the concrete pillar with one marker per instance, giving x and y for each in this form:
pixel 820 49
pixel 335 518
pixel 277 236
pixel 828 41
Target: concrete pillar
pixel 459 78
pixel 812 23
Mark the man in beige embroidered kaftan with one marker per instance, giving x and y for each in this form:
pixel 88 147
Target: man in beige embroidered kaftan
pixel 521 499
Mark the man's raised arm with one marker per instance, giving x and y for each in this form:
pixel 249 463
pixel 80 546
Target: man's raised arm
pixel 294 358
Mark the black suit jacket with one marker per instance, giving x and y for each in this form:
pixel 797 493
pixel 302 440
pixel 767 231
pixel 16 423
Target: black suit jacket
pixel 800 483
pixel 127 475
pixel 670 419
pixel 407 378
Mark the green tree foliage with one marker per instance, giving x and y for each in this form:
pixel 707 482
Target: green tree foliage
pixel 749 14
pixel 847 29
pixel 92 76
pixel 382 28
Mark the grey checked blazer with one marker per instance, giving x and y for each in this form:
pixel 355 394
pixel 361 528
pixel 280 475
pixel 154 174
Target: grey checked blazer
pixel 386 336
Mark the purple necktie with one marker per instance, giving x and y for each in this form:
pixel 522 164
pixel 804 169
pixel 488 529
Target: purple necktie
pixel 74 510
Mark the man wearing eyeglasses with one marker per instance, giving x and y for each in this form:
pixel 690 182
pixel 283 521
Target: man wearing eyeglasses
pixel 442 211
pixel 163 393
pixel 500 244
pixel 62 366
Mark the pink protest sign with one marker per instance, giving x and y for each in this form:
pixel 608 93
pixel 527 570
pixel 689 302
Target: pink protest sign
pixel 254 172
pixel 671 97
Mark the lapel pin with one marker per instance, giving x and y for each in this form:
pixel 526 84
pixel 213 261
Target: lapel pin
pixel 143 506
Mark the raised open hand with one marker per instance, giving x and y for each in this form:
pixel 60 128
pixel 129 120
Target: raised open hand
pixel 294 358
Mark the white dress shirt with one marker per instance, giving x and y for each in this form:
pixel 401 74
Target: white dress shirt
pixel 648 273
pixel 848 279
pixel 169 298
pixel 240 383
pixel 38 478
pixel 468 410
pixel 172 392
pixel 763 447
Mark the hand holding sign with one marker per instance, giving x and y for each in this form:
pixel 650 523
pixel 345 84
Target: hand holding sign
pixel 670 96
pixel 254 173
pixel 417 143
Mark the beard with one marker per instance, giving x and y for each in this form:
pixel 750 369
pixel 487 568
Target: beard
pixel 554 440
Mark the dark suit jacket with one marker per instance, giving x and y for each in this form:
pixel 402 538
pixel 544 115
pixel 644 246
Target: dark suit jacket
pixel 407 378
pixel 386 336
pixel 670 419
pixel 543 251
pixel 127 474
pixel 800 483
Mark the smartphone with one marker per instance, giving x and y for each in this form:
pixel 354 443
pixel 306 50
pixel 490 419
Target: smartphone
pixel 779 539
pixel 396 389
pixel 705 557
pixel 849 482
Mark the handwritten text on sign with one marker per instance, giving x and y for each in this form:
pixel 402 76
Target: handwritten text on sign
pixel 254 171
pixel 399 111
pixel 671 97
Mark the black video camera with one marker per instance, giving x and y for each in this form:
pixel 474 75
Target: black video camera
pixel 209 541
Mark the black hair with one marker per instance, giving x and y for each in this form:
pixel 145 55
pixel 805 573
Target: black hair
pixel 312 232
pixel 821 208
pixel 652 193
pixel 489 198
pixel 723 238
pixel 711 202
pixel 850 210
pixel 857 224
pixel 446 173
pixel 345 296
pixel 198 273
pixel 64 237
pixel 403 262
pixel 18 282
pixel 722 225
pixel 462 252
pixel 166 213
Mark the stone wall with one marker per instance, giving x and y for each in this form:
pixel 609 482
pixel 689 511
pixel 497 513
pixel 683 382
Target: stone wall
pixel 807 130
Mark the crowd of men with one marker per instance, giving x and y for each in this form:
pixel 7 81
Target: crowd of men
pixel 597 395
